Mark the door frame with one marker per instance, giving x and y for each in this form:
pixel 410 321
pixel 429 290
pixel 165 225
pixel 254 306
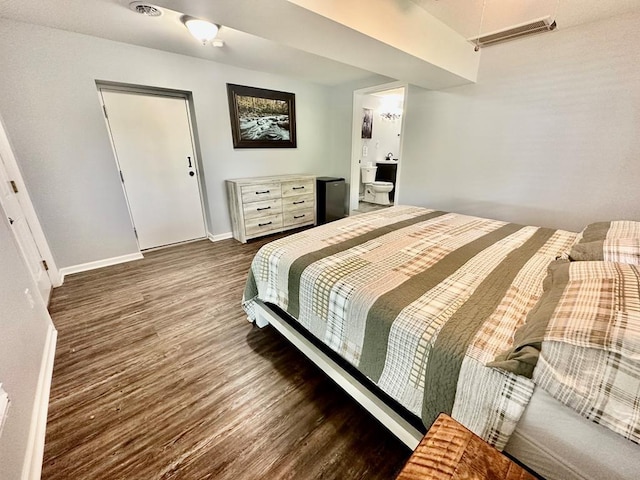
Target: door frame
pixel 158 92
pixel 356 140
pixel 24 199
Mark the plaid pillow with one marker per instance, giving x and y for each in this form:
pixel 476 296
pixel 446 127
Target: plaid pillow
pixel 617 241
pixel 586 304
pixel 590 357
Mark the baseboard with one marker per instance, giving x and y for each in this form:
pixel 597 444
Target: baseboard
pixel 220 236
pixel 32 466
pixel 56 276
pixel 83 267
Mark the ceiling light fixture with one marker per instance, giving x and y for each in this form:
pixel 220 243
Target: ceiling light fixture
pixel 201 29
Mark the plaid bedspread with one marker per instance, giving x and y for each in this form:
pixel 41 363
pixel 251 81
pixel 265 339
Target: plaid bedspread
pixel 419 301
pixel 590 358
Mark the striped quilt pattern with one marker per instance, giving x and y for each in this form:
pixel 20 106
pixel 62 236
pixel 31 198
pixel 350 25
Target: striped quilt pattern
pixel 419 301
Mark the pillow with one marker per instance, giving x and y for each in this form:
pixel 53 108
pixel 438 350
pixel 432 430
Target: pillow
pixel 617 241
pixel 594 305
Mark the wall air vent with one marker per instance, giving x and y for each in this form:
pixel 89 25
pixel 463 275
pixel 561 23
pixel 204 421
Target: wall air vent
pixel 145 9
pixel 530 28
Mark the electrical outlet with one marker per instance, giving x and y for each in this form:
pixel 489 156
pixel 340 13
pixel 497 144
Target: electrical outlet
pixel 365 150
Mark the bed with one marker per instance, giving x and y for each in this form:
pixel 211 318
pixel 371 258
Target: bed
pixel 411 310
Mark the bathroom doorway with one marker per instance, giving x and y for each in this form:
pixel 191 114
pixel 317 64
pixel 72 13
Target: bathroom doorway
pixel 376 150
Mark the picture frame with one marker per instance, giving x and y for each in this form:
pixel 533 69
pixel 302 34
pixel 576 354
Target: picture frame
pixel 367 123
pixel 261 118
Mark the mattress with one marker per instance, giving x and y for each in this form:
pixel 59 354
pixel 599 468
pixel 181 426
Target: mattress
pixel 559 444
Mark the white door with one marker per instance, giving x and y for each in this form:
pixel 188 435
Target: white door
pixel 15 216
pixel 152 139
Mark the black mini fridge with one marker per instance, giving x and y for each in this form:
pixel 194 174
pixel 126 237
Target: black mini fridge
pixel 330 192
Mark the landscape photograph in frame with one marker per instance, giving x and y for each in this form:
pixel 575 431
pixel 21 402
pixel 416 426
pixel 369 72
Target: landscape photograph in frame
pixel 261 118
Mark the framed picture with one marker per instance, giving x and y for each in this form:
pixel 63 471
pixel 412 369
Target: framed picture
pixel 367 122
pixel 262 118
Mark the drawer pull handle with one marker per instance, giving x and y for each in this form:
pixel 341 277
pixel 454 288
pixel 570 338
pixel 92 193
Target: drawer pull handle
pixel 299 216
pixel 264 224
pixel 298 188
pixel 263 208
pixel 298 203
pixel 262 193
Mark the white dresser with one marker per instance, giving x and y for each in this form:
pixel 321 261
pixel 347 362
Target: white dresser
pixel 263 205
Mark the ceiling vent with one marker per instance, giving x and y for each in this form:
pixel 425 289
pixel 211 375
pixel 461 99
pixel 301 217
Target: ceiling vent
pixel 145 9
pixel 530 28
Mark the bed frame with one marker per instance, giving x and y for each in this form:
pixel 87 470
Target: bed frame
pixel 399 426
pixel 543 460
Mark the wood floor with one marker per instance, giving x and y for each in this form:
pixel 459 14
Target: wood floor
pixel 158 375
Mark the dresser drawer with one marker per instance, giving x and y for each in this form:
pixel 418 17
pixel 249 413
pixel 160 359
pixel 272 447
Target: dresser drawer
pixel 257 205
pixel 298 202
pixel 299 217
pixel 262 209
pixel 258 193
pixel 297 188
pixel 262 225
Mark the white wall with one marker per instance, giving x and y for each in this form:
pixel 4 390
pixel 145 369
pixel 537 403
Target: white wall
pixel 23 332
pixel 385 136
pixel 548 136
pixel 49 102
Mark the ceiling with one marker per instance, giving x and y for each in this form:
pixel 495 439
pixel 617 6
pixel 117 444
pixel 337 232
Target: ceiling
pixel 112 19
pixel 464 16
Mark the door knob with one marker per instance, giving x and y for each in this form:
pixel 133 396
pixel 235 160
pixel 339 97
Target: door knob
pixel 11 220
pixel 191 174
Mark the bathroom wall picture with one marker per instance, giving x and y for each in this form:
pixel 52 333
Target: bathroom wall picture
pixel 367 122
pixel 261 118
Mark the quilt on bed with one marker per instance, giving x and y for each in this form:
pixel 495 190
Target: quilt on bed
pixel 419 301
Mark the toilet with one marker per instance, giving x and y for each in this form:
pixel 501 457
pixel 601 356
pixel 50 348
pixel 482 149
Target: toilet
pixel 374 192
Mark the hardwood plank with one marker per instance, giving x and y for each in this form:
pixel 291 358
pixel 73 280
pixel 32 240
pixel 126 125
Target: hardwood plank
pixel 158 375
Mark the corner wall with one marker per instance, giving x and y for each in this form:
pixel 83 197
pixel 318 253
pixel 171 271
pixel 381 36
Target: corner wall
pixel 548 136
pixel 49 102
pixel 341 97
